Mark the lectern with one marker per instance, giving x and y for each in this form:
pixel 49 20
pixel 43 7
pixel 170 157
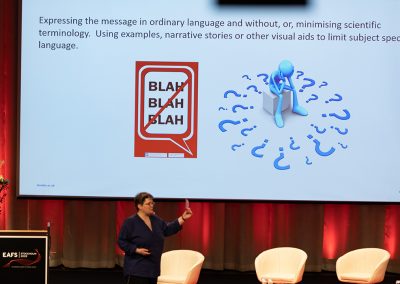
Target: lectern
pixel 24 256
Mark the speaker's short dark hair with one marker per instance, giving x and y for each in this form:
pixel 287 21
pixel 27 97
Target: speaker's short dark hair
pixel 141 197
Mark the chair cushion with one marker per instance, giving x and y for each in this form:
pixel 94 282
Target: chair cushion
pixel 280 277
pixel 171 279
pixel 359 277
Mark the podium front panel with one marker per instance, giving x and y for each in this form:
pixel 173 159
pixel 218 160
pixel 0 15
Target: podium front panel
pixel 24 257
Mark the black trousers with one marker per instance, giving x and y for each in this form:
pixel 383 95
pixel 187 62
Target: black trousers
pixel 140 280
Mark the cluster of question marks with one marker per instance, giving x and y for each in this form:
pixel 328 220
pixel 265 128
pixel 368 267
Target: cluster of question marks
pixel 240 123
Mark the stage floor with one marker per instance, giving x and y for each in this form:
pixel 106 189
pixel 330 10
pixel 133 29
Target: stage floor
pixel 61 275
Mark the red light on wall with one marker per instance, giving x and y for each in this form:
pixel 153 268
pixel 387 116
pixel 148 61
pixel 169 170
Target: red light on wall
pixel 335 230
pixel 392 227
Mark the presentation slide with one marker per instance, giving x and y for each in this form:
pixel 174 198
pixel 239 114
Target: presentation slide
pixel 198 100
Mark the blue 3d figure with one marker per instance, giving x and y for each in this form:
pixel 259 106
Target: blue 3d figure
pixel 277 83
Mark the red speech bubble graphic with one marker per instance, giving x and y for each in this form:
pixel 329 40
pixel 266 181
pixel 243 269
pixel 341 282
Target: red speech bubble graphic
pixel 166 109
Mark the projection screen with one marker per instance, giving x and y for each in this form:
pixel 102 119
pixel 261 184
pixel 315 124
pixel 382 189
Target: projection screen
pixel 192 99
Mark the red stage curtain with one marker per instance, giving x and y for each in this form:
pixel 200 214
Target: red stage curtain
pixel 230 234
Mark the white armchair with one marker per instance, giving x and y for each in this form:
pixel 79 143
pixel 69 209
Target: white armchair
pixel 180 267
pixel 366 265
pixel 281 265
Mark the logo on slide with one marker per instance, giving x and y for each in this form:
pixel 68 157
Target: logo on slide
pixel 166 109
